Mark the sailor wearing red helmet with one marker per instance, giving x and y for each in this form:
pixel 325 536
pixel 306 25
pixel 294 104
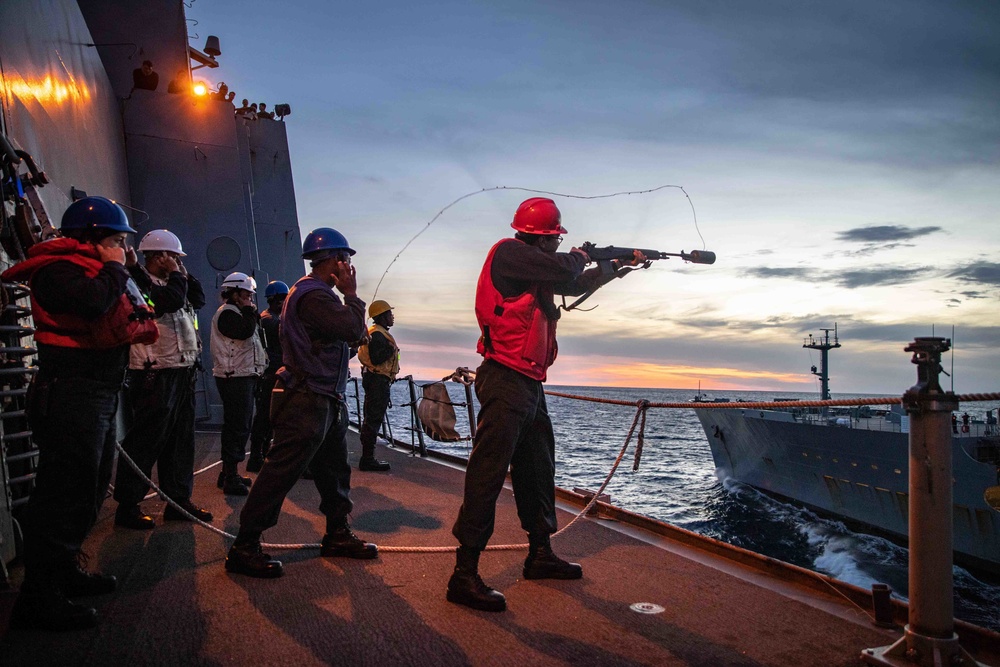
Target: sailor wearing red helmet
pixel 517 319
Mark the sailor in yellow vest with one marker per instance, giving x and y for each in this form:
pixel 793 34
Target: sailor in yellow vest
pixel 379 359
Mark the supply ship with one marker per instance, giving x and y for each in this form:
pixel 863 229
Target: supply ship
pixel 72 123
pixel 854 464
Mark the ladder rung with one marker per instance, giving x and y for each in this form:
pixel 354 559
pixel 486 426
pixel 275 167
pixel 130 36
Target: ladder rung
pixel 23 351
pixel 22 456
pixel 9 393
pixel 21 435
pixel 22 479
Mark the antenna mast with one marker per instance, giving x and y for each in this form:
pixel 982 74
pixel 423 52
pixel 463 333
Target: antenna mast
pixel 824 345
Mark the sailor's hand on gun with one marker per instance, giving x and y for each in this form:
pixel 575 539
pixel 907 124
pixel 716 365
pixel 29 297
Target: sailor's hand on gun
pixel 637 259
pixel 345 279
pixel 578 251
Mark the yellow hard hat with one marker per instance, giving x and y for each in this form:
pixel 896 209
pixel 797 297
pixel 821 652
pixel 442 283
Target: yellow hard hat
pixel 377 308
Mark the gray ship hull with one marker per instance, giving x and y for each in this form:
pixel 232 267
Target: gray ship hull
pixel 855 474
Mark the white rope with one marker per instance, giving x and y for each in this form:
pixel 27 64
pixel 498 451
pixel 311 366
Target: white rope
pixel 387 549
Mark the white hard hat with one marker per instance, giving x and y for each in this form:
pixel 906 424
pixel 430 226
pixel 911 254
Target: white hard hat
pixel 161 240
pixel 240 280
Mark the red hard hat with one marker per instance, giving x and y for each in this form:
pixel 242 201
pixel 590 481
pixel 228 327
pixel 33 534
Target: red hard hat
pixel 538 215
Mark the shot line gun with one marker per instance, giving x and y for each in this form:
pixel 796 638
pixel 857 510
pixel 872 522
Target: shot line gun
pixel 605 257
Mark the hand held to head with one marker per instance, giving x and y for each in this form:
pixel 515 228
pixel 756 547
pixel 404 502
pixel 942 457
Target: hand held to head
pixel 115 254
pixel 131 259
pixel 345 279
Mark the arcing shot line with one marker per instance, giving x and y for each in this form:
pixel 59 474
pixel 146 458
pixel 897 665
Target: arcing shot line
pixel 538 192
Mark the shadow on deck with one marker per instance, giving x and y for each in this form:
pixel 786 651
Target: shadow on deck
pixel 176 605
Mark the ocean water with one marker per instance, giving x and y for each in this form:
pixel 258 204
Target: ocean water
pixel 677 483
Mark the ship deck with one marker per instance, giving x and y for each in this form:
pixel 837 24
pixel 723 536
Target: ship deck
pixel 176 605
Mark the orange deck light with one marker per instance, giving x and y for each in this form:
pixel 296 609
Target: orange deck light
pixel 200 89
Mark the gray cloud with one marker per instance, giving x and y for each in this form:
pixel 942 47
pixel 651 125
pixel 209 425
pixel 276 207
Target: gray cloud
pixel 983 273
pixel 876 277
pixel 798 273
pixel 885 233
pixel 873 277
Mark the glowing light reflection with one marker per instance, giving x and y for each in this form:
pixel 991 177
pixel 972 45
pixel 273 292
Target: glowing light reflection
pixel 49 90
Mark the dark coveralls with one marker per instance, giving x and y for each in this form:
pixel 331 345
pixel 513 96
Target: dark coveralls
pixel 159 407
pixel 514 430
pixel 308 409
pixel 238 392
pixel 71 409
pixel 376 388
pixel 261 431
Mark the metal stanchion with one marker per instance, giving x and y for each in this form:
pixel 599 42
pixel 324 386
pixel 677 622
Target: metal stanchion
pixel 416 418
pixel 468 408
pixel 929 639
pixel 357 400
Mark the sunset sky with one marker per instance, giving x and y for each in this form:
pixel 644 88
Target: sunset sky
pixel 843 161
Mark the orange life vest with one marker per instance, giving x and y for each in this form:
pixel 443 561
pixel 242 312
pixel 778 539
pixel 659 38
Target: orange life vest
pixel 515 331
pixel 129 321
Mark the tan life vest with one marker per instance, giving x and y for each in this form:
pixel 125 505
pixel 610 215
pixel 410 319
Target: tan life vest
pixel 389 367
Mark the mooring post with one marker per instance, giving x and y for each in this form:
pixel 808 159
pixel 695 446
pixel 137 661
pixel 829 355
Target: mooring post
pixel 929 639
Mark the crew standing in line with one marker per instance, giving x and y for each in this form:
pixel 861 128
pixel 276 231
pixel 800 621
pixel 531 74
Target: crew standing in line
pixel 379 359
pixel 261 431
pixel 87 312
pixel 160 387
pixel 308 408
pixel 238 362
pixel 517 318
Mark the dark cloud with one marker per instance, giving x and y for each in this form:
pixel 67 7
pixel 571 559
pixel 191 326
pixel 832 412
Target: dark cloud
pixel 877 277
pixel 885 233
pixel 872 277
pixel 798 273
pixel 983 273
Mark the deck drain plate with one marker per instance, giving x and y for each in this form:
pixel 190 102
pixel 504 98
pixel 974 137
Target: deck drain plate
pixel 646 608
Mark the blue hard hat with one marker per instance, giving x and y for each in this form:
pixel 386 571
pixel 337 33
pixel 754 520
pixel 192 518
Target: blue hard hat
pixel 94 212
pixel 324 239
pixel 275 288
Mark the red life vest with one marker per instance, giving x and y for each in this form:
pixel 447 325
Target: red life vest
pixel 515 330
pixel 129 321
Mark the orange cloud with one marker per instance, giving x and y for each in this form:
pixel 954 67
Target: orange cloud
pixel 629 373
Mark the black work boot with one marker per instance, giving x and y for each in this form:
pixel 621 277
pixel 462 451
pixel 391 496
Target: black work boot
pixel 340 541
pixel 172 514
pixel 231 483
pixel 131 516
pixel 74 581
pixel 246 556
pixel 255 462
pixel 541 563
pixel 41 606
pixel 466 587
pixel 372 464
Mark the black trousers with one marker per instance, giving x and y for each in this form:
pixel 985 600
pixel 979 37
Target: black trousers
pixel 376 388
pixel 162 433
pixel 237 395
pixel 261 431
pixel 308 427
pixel 513 431
pixel 73 423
